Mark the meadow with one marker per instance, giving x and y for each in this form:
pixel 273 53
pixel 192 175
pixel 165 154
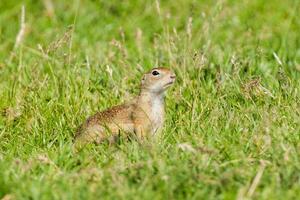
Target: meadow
pixel 232 128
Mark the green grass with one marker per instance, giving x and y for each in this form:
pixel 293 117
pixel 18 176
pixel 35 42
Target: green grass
pixel 232 127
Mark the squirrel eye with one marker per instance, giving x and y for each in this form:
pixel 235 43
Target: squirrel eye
pixel 155 73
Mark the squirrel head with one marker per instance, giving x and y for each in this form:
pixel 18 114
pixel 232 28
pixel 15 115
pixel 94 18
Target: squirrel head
pixel 158 80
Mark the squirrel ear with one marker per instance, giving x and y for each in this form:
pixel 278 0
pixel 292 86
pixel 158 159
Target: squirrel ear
pixel 143 79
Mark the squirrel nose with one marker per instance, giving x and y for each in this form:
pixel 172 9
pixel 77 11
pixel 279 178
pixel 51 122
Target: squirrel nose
pixel 173 76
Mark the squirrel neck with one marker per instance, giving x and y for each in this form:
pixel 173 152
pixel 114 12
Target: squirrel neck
pixel 148 99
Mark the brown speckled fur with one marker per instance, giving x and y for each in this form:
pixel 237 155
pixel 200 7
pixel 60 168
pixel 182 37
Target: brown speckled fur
pixel 143 116
pixel 101 117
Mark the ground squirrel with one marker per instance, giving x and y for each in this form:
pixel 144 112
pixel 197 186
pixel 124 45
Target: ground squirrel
pixel 143 116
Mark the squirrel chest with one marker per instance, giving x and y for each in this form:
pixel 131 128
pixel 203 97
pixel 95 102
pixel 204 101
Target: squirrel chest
pixel 157 113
